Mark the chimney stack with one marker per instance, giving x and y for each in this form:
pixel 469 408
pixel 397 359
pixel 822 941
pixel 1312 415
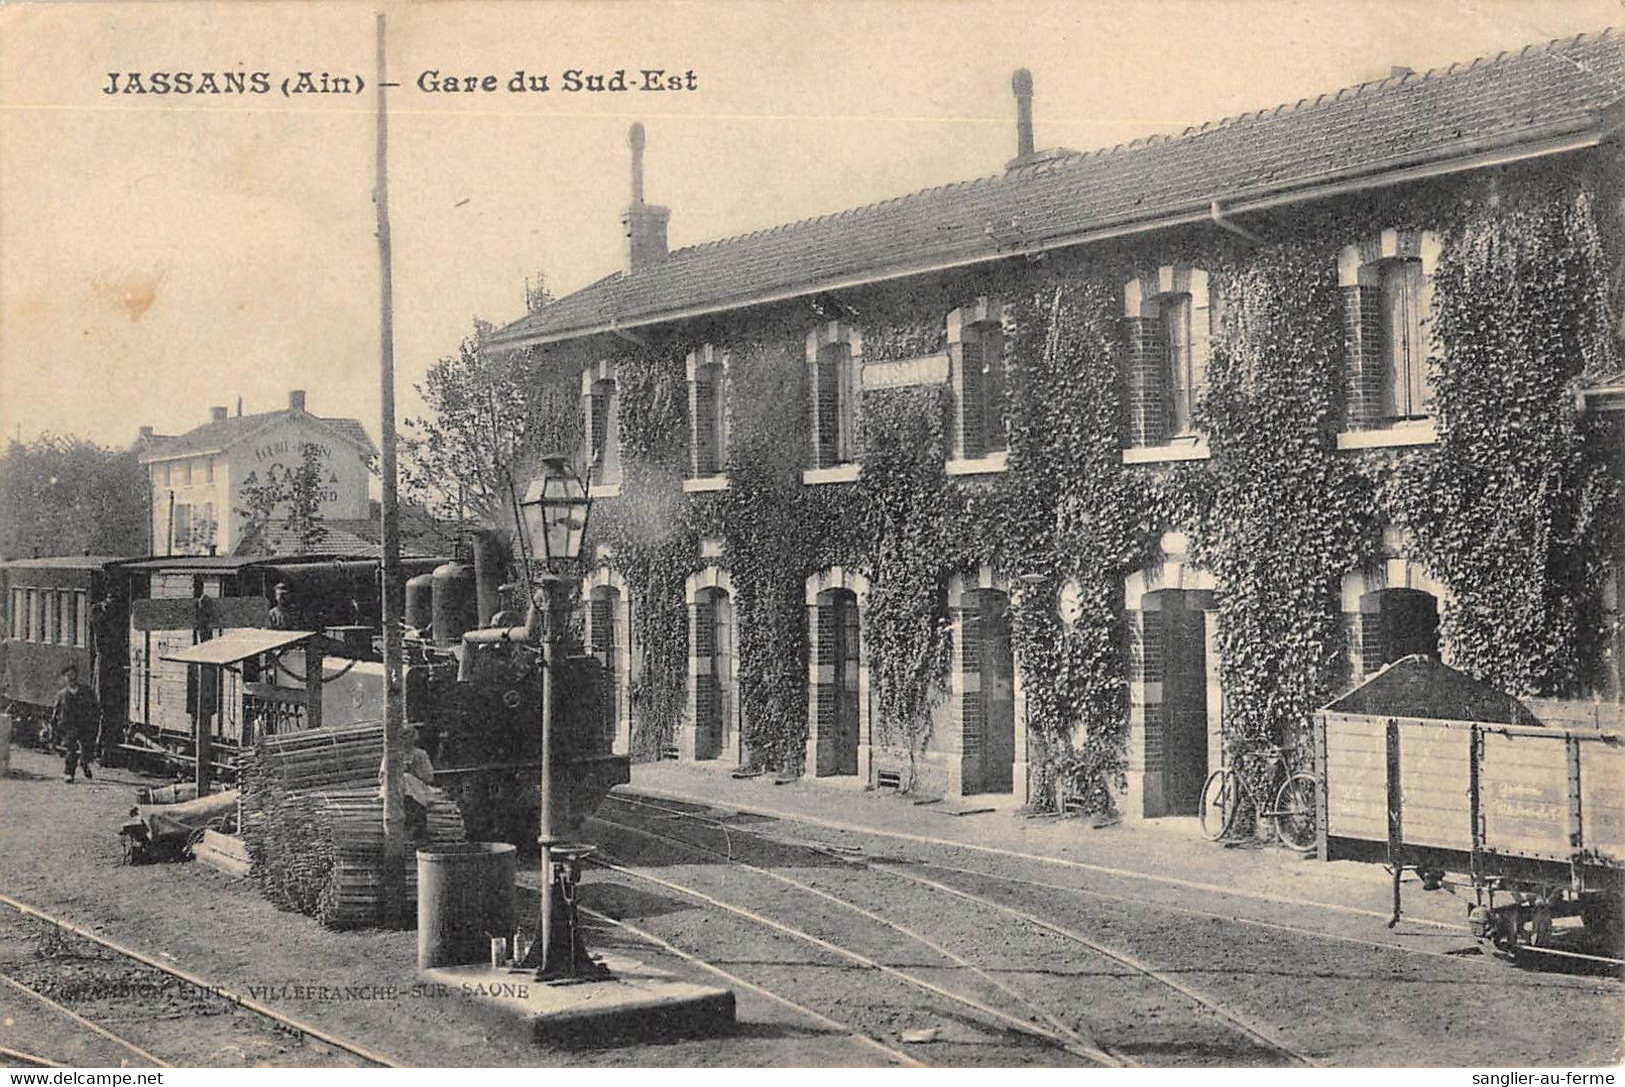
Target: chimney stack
pixel 645 223
pixel 146 432
pixel 217 415
pixel 239 407
pixel 1022 83
pixel 296 400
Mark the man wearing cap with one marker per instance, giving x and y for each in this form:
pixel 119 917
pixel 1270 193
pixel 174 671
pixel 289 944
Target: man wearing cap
pixel 77 719
pixel 283 614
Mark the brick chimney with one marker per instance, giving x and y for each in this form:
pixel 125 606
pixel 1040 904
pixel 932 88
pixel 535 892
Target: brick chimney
pixel 645 223
pixel 296 400
pixel 1022 84
pixel 146 432
pixel 217 415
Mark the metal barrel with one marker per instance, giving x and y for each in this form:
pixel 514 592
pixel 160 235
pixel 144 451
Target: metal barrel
pixel 465 897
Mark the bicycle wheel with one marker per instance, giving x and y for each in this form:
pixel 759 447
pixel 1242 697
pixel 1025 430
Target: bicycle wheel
pixel 1218 807
pixel 1295 811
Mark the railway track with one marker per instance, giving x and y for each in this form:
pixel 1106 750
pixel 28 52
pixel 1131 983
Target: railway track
pixel 66 988
pixel 989 990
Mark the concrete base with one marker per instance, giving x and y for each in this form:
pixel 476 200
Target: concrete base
pixel 636 1002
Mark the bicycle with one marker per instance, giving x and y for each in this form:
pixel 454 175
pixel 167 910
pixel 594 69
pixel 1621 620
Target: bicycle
pixel 1228 790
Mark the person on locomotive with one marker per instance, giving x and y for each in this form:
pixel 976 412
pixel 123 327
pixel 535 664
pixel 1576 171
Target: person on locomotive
pixel 77 718
pixel 284 613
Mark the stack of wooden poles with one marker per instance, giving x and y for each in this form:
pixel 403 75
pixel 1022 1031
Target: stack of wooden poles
pixel 313 823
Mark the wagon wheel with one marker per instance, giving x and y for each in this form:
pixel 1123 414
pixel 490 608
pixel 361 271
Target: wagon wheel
pixel 1218 805
pixel 1295 811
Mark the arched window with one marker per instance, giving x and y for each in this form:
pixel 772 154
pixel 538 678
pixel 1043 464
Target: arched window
pixel 979 375
pixel 707 412
pixel 1386 282
pixel 1168 318
pixel 833 358
pixel 601 413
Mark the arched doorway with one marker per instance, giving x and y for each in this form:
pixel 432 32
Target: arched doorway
pixel 1391 610
pixel 713 702
pixel 985 695
pixel 1176 705
pixel 608 635
pixel 837 675
pixel 1174 630
pixel 1397 623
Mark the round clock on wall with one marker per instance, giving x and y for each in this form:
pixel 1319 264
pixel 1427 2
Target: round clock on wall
pixel 1069 601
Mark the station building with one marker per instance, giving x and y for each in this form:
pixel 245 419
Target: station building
pixel 747 402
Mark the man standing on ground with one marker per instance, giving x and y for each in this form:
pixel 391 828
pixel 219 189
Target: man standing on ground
pixel 77 718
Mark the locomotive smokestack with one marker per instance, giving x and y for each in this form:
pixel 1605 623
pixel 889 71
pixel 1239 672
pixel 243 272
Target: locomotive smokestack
pixel 1022 84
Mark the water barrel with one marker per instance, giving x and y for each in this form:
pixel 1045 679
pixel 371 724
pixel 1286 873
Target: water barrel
pixel 465 897
pixel 420 602
pixel 454 604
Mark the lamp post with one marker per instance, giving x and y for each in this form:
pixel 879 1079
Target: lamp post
pixel 555 508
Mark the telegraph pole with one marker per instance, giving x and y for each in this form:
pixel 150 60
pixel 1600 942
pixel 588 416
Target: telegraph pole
pixel 394 800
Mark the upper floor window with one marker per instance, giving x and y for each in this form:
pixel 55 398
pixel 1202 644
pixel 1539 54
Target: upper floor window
pixel 834 351
pixel 1169 324
pixel 601 410
pixel 168 477
pixel 707 412
pixel 187 472
pixel 208 470
pixel 1387 287
pixel 978 372
pixel 1404 348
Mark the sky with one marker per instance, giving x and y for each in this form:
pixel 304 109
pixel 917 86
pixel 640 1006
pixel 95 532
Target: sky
pixel 161 254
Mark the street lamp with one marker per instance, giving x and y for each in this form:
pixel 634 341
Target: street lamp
pixel 555 511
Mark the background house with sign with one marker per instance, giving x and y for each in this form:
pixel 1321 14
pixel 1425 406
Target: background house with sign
pixel 197 478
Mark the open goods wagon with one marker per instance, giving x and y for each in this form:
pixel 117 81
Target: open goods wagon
pixel 1425 768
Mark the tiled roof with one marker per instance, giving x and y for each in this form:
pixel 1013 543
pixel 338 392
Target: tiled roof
pixel 233 429
pixel 334 541
pixel 1541 92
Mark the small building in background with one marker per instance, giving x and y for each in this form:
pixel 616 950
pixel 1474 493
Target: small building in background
pixel 198 478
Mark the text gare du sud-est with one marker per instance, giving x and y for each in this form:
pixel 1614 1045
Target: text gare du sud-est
pixel 430 81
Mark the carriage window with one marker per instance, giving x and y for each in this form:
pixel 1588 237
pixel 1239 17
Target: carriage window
pixel 48 628
pixel 32 633
pixel 19 614
pixel 82 620
pixel 68 633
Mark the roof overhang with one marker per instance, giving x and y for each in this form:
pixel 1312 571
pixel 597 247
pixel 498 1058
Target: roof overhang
pixel 1463 157
pixel 239 644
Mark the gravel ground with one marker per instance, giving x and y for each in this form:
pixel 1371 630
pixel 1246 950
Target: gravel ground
pixel 1329 981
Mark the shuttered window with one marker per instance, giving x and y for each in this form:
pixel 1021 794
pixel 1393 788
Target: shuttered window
pixel 1403 343
pixel 831 406
pixel 1174 312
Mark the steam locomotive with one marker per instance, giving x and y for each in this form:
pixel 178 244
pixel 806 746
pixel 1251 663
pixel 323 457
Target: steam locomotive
pixel 476 706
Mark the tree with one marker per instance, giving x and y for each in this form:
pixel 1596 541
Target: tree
pixel 299 490
pixel 491 415
pixel 68 496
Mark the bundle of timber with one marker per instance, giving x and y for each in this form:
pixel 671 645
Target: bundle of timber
pixel 313 823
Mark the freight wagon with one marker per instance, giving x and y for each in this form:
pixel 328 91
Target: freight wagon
pixel 1426 769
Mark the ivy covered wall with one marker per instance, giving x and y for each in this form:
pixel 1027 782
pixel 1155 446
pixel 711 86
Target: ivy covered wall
pixel 1512 509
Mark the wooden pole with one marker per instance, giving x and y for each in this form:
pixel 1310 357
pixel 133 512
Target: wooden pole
pixel 394 757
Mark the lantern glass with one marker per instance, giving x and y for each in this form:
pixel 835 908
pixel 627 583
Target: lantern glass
pixel 555 508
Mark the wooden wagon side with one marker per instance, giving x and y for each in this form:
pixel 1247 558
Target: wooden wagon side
pixel 1534 816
